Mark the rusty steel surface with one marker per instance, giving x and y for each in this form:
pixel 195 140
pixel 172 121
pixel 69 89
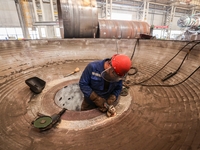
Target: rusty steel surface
pixel 148 118
pixel 77 18
pixel 118 29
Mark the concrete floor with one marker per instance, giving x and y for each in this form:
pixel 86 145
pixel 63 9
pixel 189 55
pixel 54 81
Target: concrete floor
pixel 148 118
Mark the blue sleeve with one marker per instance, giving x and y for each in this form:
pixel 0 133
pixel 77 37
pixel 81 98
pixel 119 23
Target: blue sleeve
pixel 84 82
pixel 117 90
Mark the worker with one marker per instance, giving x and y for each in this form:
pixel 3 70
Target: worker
pixel 101 82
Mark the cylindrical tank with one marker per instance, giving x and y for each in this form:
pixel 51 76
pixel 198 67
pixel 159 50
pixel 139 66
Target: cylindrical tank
pixel 77 18
pixel 122 29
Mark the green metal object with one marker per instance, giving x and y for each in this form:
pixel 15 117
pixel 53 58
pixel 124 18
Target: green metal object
pixel 42 122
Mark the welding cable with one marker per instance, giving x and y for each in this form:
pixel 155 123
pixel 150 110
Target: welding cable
pixel 171 85
pixel 165 64
pixel 178 70
pixel 134 68
pixel 172 74
pixel 137 42
pixel 133 73
pixel 125 89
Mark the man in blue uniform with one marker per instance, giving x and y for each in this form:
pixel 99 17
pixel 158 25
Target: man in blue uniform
pixel 101 81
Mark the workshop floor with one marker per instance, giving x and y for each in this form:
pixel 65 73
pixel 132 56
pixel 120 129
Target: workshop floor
pixel 148 118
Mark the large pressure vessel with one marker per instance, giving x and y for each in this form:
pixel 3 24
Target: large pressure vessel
pixel 122 29
pixel 77 18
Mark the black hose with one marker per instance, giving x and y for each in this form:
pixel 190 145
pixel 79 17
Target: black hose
pixel 133 68
pixel 163 85
pixel 137 42
pixel 172 74
pixel 124 91
pixel 166 63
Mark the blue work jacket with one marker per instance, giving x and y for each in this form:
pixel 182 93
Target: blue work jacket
pixel 91 80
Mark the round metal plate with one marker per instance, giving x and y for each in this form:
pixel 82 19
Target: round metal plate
pixel 42 122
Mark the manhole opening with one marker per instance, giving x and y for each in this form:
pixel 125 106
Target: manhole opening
pixel 70 97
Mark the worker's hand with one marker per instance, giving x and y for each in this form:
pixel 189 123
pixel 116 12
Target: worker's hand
pixel 111 99
pixel 102 109
pixel 99 101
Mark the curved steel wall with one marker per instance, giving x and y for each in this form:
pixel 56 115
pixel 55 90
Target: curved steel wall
pixel 158 118
pixel 122 29
pixel 77 18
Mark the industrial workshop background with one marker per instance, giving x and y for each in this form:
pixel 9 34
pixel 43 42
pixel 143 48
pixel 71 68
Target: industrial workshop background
pixel 38 19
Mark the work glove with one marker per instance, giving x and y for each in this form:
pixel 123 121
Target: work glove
pixel 102 109
pixel 99 101
pixel 111 99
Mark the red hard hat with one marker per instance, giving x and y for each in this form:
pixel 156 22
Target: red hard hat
pixel 121 64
